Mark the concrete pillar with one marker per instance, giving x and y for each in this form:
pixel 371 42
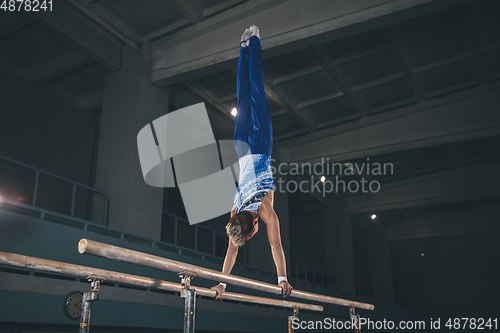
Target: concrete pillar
pixel 380 267
pixel 337 233
pixel 130 103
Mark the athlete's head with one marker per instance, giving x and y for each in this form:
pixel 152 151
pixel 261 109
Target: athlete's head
pixel 241 227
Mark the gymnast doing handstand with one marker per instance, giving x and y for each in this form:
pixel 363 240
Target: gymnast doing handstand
pixel 253 137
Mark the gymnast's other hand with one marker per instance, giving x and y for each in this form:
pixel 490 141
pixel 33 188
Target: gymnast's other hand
pixel 220 290
pixel 286 288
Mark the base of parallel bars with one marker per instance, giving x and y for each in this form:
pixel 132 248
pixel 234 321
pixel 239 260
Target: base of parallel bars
pixel 88 298
pixel 290 320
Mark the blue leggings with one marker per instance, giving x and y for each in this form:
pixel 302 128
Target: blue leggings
pixel 253 122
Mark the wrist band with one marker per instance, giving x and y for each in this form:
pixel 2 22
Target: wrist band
pixel 223 284
pixel 282 278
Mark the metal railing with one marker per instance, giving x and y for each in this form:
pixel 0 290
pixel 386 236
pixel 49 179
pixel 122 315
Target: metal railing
pixel 401 300
pixel 305 271
pixel 364 289
pixel 213 237
pixel 74 186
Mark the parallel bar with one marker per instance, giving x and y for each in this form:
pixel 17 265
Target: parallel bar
pixel 45 265
pixel 86 246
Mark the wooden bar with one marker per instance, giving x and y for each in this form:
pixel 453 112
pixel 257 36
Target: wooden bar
pixel 45 265
pixel 86 246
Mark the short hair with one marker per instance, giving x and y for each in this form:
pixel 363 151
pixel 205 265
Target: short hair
pixel 240 225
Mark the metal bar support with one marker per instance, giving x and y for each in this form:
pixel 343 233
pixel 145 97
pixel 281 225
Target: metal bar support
pixel 290 320
pixel 88 298
pixel 189 295
pixel 355 319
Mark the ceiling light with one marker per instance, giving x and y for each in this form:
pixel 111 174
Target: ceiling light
pixel 374 216
pixel 322 179
pixel 234 112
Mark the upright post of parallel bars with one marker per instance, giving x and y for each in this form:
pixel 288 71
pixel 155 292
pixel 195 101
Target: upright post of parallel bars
pixel 189 295
pixel 88 298
pixel 355 319
pixel 290 320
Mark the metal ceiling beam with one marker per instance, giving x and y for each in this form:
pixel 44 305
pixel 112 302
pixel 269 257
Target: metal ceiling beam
pixel 167 30
pixel 92 102
pixel 210 98
pixel 211 45
pixel 279 95
pixel 48 40
pixel 338 121
pixel 479 181
pixel 299 74
pixel 75 28
pixel 221 7
pixel 395 105
pixel 462 116
pixel 56 69
pixel 318 100
pixel 189 9
pixel 14 69
pixel 404 61
pixel 458 223
pixel 12 23
pixel 442 63
pixel 378 82
pixel 288 135
pixel 63 94
pixel 182 96
pixel 321 55
pixel 106 25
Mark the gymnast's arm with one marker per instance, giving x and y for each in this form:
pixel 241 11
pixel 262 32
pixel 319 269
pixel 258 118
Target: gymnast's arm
pixel 269 217
pixel 229 260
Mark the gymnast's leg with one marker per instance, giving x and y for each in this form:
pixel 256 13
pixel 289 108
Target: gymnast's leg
pixel 243 126
pixel 263 139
